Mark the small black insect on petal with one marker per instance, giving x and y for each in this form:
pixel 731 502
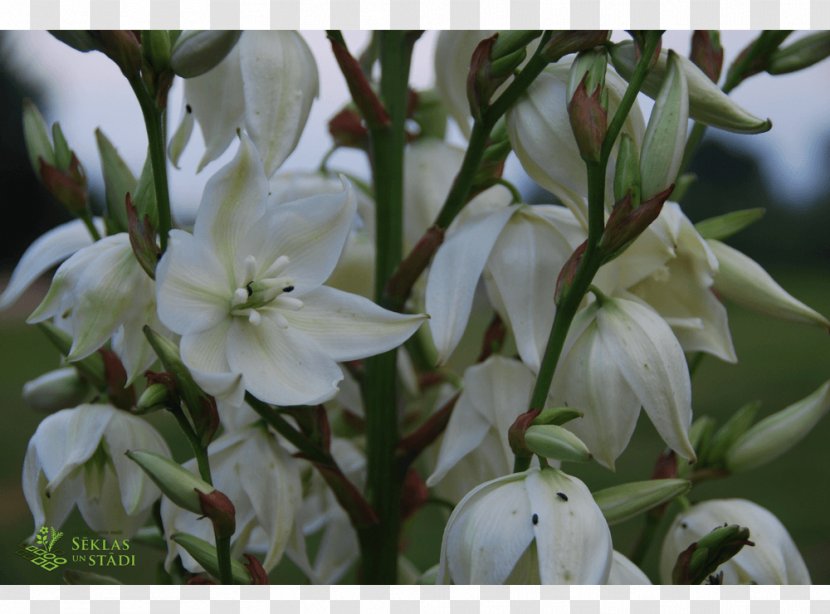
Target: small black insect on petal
pixel 535 519
pixel 188 108
pixel 250 290
pixel 683 525
pixel 288 289
pixel 562 496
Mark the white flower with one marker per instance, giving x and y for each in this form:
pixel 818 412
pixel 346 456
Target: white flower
pixel 624 571
pixel 262 481
pixel 495 393
pixel 681 290
pixel 102 292
pixel 621 355
pixel 266 85
pixel 77 457
pixel 744 281
pixel 49 249
pixel 541 135
pixel 523 249
pixel 536 527
pixel 245 292
pixel 774 559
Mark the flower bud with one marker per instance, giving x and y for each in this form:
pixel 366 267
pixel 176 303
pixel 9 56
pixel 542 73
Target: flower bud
pixel 563 42
pixel 665 139
pixel 123 48
pixel 557 415
pixel 801 54
pixel 741 279
pixel 118 181
pixel 627 172
pixel 700 560
pixel 773 559
pixel 707 53
pixel 197 51
pixel 725 437
pixel 539 526
pixel 205 554
pixel 707 103
pixel 591 64
pixel 156 46
pixel 36 135
pixel 620 503
pixel 80 40
pixel 551 441
pixel 154 397
pixel 776 434
pixel 724 226
pixel 56 390
pixel 176 482
pixel 588 114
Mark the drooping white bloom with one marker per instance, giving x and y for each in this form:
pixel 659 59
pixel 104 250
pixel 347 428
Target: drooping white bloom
pixel 536 527
pixel 521 250
pixel 77 457
pixel 681 290
pixel 744 281
pixel 540 132
pixel 624 571
pixel 495 393
pixel 49 249
pixel 245 292
pixel 774 559
pixel 102 292
pixel 262 481
pixel 621 355
pixel 265 85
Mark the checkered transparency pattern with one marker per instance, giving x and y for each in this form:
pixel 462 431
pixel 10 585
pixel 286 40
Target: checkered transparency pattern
pixel 420 14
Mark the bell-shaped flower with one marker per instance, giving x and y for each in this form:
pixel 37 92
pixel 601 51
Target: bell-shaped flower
pixel 495 393
pixel 540 132
pixel 774 559
pixel 265 85
pixel 744 281
pixel 537 527
pixel 77 457
pixel 245 292
pixel 262 481
pixel 49 249
pixel 681 290
pixel 620 355
pixel 521 250
pixel 624 571
pixel 101 291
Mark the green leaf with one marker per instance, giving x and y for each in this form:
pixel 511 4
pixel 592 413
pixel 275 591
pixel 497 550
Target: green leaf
pixel 724 226
pixel 118 181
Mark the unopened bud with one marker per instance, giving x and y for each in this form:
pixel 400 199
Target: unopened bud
pixel 627 171
pixel 154 397
pixel 589 120
pixel 626 223
pixel 776 434
pixel 517 430
pixel 563 42
pixel 144 197
pixel 205 554
pixel 255 570
pixel 700 436
pixel 557 415
pixel 218 507
pixel 156 46
pixel 176 482
pixel 803 53
pixel 593 64
pixel 197 51
pixel 142 239
pixel 551 441
pixel 724 226
pixel 703 557
pixel 36 136
pixel 707 53
pixel 56 390
pixel 510 41
pixel 725 437
pixel 665 140
pixel 118 181
pixel 619 503
pixel 92 367
pixel 80 40
pixel 63 155
pixel 707 103
pixel 68 188
pixel 348 130
pixel 123 48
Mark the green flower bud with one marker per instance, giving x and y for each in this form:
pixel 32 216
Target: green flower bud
pixel 63 155
pixel 665 139
pixel 56 390
pixel 776 434
pixel 197 51
pixel 627 171
pixel 154 397
pixel 118 181
pixel 156 46
pixel 724 226
pixel 205 554
pixel 732 429
pixel 176 482
pixel 620 503
pixel 702 558
pixel 804 52
pixel 557 415
pixel 551 441
pixel 592 63
pixel 707 103
pixel 80 40
pixel 36 136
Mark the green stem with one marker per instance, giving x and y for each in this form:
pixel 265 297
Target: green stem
pixel 591 259
pixel 86 218
pixel 223 557
pixel 379 542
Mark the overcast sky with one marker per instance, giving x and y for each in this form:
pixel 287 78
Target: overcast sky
pixel 86 91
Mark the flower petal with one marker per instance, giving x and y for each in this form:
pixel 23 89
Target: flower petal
pixel 205 354
pixel 45 252
pixel 624 571
pixel 279 78
pixel 281 366
pixel 347 326
pixel 454 275
pixel 192 289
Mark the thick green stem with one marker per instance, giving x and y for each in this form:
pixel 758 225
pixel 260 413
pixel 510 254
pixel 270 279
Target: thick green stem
pixel 379 542
pixel 223 557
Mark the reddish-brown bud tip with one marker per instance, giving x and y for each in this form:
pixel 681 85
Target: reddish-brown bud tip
pixel 256 570
pixel 517 430
pixel 216 506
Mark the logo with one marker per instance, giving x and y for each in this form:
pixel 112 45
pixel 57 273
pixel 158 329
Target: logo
pixel 43 553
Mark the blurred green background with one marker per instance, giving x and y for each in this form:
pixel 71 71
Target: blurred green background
pixel 779 362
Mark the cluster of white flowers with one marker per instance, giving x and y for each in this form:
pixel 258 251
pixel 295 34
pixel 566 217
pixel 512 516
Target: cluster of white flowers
pixel 242 298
